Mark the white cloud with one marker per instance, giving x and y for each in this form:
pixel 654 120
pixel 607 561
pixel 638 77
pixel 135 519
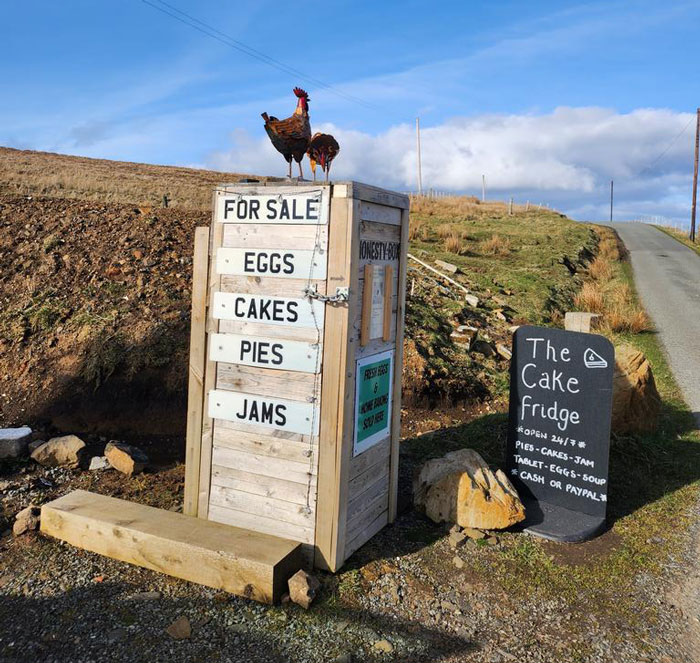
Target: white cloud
pixel 565 158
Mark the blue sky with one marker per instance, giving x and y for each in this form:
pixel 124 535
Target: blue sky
pixel 550 100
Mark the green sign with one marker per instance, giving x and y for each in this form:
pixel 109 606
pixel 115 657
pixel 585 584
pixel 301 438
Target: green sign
pixel 372 400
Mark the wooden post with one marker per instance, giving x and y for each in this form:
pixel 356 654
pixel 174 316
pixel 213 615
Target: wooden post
pixel 695 177
pixel 420 175
pixel 510 207
pixel 195 390
pixel 611 201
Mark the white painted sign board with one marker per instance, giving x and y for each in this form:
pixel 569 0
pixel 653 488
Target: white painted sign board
pixel 299 207
pixel 266 352
pixel 285 264
pixel 288 311
pixel 274 413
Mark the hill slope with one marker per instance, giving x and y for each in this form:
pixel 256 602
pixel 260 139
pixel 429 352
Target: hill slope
pixel 95 290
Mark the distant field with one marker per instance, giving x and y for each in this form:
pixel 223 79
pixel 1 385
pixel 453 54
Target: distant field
pixel 26 172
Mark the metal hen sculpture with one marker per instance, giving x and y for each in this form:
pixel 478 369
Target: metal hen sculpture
pixel 291 136
pixel 323 148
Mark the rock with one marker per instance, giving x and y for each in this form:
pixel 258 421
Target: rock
pixel 472 300
pixel 502 315
pixel 145 596
pixel 180 629
pixel 447 266
pixel 59 452
pixel 125 457
pixel 343 658
pixel 303 588
pixel 27 520
pixel 35 445
pixel 503 351
pixel 99 463
pixel 461 488
pixel 636 402
pixel 14 441
pixel 581 321
pixel 472 533
pixel 483 348
pixel 383 645
pixel 457 539
pixel 458 562
pixel 491 540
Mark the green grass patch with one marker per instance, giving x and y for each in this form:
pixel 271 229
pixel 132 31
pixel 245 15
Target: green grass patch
pixel 681 237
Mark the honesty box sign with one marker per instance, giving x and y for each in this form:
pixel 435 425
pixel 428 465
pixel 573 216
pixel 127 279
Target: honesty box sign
pixel 559 422
pixel 372 400
pixel 306 206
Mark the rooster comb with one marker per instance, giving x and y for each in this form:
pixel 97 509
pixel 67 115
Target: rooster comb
pixel 300 93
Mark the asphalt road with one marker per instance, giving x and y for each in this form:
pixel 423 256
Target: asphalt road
pixel 667 275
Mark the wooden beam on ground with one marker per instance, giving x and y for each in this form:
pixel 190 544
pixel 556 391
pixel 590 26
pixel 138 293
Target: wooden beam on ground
pixel 240 561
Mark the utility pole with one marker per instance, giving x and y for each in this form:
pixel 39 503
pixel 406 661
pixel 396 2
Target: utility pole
pixel 695 178
pixel 483 188
pixel 420 176
pixel 611 199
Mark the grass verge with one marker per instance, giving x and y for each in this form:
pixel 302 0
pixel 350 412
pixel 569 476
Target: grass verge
pixel 681 237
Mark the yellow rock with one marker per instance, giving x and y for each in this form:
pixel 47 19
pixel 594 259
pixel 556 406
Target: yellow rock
pixel 461 488
pixel 636 402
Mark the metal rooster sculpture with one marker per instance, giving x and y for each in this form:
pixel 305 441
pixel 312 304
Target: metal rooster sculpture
pixel 323 148
pixel 291 136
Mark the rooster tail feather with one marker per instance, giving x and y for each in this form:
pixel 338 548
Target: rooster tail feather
pixel 265 117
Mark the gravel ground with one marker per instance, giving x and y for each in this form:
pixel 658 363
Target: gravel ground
pixel 400 598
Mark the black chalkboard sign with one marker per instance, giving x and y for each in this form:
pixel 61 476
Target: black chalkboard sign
pixel 559 430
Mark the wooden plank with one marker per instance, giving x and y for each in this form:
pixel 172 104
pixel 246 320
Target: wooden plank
pixel 259 505
pixel 258 484
pixel 279 468
pixel 268 310
pixel 267 432
pixel 375 454
pixel 263 352
pixel 195 388
pixel 306 334
pixel 271 263
pixel 273 413
pixel 264 445
pixel 292 206
pixel 373 194
pixel 290 385
pixel 380 213
pixel 358 503
pixel 362 481
pixel 382 232
pixel 366 313
pixel 335 362
pixel 398 371
pixel 347 422
pixel 260 524
pixel 238 561
pixel 257 285
pixel 260 237
pixel 366 534
pixel 215 237
pixel 388 279
pixel 369 512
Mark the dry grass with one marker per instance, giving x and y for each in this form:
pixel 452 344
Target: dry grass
pixel 601 269
pixel 590 298
pixel 453 243
pixel 415 228
pixel 61 176
pixel 496 246
pixel 445 230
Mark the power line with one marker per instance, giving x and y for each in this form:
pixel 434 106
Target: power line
pixel 222 37
pixel 670 145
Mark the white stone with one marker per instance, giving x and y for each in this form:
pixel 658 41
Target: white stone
pixel 14 441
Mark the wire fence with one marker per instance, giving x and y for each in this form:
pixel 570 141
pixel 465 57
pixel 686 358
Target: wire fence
pixel 657 220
